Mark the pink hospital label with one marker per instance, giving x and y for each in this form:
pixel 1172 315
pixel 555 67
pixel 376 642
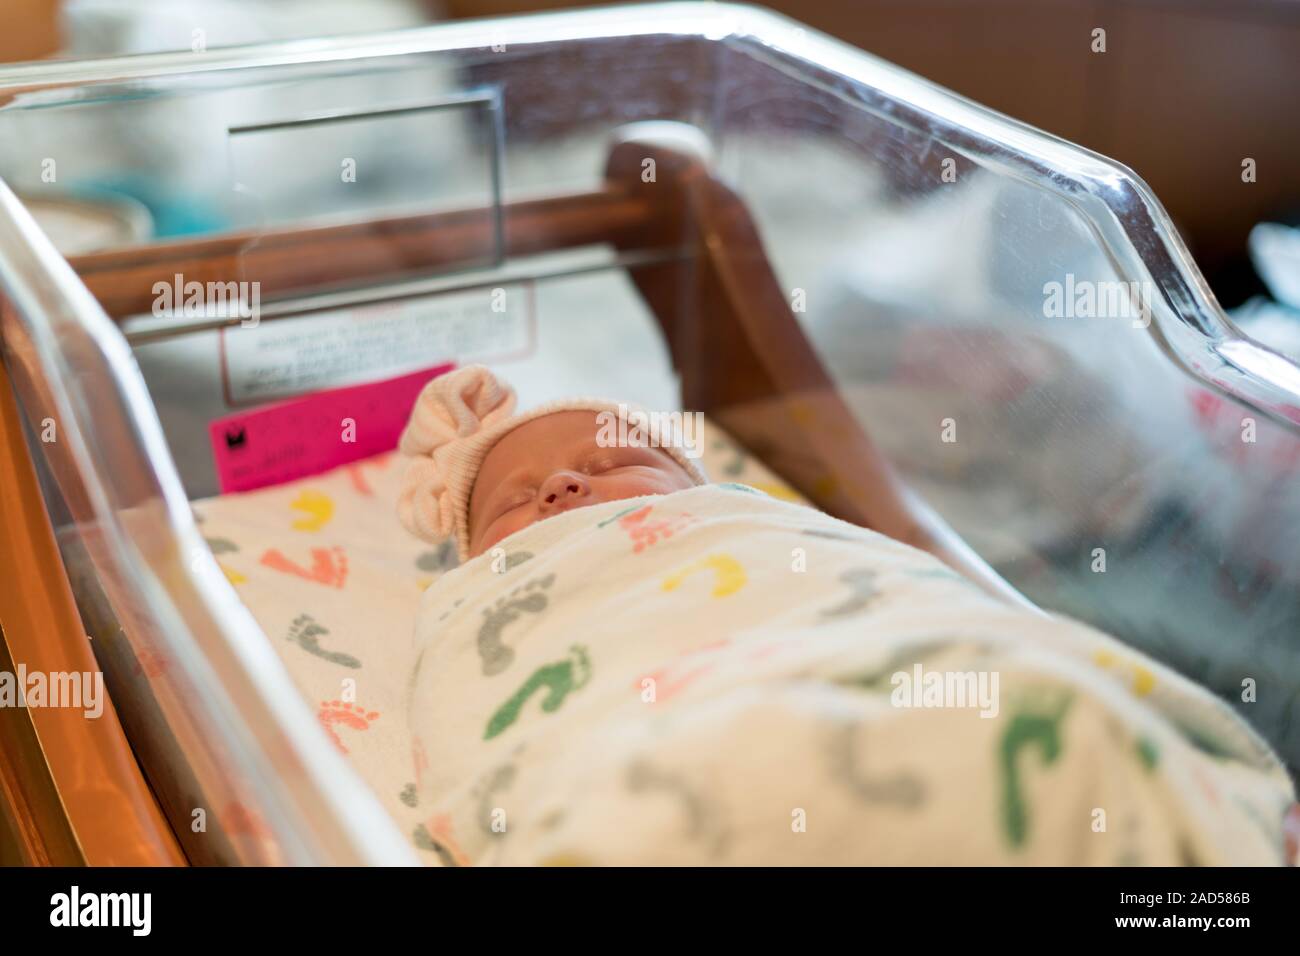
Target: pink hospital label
pixel 306 436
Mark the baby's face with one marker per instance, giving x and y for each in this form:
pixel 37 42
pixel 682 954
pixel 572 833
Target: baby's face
pixel 553 464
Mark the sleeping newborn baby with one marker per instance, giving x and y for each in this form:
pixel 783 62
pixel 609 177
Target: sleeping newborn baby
pixel 634 666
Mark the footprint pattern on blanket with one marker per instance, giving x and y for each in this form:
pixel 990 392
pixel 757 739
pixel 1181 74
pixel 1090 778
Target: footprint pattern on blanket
pixel 338 712
pixel 728 575
pixel 558 680
pixel 645 533
pixel 1035 725
pixel 705 820
pixel 221 545
pixel 233 576
pixel 436 837
pixel 844 752
pixel 511 560
pixel 831 534
pixel 494 782
pixel 737 486
pixel 1143 680
pixel 528 598
pixel 940 574
pixel 306 633
pixel 617 517
pixel 329 565
pixel 861 583
pixel 879 678
pixel 443 558
pixel 316 507
pixel 357 473
pixel 672 678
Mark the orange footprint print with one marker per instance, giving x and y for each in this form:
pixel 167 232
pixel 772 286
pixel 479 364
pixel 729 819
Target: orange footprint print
pixel 329 565
pixel 340 712
pixel 358 477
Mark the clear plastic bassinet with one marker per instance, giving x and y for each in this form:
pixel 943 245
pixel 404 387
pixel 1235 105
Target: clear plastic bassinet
pixel 704 205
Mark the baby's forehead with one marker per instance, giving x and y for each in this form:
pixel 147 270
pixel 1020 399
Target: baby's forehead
pixel 553 435
pixel 546 431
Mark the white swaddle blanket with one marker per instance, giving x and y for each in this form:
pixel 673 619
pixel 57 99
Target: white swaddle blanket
pixel 716 676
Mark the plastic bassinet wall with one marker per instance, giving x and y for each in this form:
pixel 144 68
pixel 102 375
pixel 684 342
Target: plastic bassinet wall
pixel 1012 319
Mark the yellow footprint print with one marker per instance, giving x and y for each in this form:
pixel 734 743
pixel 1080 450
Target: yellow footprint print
pixel 318 508
pixel 729 575
pixel 1144 681
pixel 778 490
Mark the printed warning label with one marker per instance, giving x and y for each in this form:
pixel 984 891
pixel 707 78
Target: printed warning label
pixel 281 358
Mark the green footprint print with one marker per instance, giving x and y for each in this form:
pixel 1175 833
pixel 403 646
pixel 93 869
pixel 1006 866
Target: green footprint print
pixel 1032 727
pixel 559 680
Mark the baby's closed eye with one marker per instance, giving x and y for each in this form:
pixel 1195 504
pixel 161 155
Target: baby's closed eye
pixel 598 464
pixel 513 501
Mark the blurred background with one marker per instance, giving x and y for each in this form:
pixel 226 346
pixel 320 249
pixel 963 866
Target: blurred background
pixel 1185 92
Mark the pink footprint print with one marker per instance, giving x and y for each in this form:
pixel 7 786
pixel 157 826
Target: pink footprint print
pixel 645 533
pixel 671 679
pixel 340 712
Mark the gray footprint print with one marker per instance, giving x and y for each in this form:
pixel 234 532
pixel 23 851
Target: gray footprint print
pixel 306 633
pixel 443 559
pixel 704 819
pixel 861 582
pixel 528 598
pixel 901 789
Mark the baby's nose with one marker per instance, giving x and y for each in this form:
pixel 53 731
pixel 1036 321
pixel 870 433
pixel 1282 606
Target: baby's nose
pixel 562 491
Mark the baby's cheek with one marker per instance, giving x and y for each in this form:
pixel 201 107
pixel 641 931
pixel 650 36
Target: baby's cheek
pixel 505 527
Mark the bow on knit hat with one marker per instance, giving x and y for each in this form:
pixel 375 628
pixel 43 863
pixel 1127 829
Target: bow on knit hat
pixel 456 420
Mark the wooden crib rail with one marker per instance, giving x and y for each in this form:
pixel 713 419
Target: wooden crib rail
pixel 299 261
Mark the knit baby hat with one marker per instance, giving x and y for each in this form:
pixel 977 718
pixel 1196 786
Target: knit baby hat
pixel 456 420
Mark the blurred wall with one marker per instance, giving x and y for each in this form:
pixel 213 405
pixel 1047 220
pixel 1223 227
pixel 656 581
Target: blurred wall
pixel 28 29
pixel 1185 91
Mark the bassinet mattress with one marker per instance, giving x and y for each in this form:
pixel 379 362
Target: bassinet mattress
pixel 334 581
